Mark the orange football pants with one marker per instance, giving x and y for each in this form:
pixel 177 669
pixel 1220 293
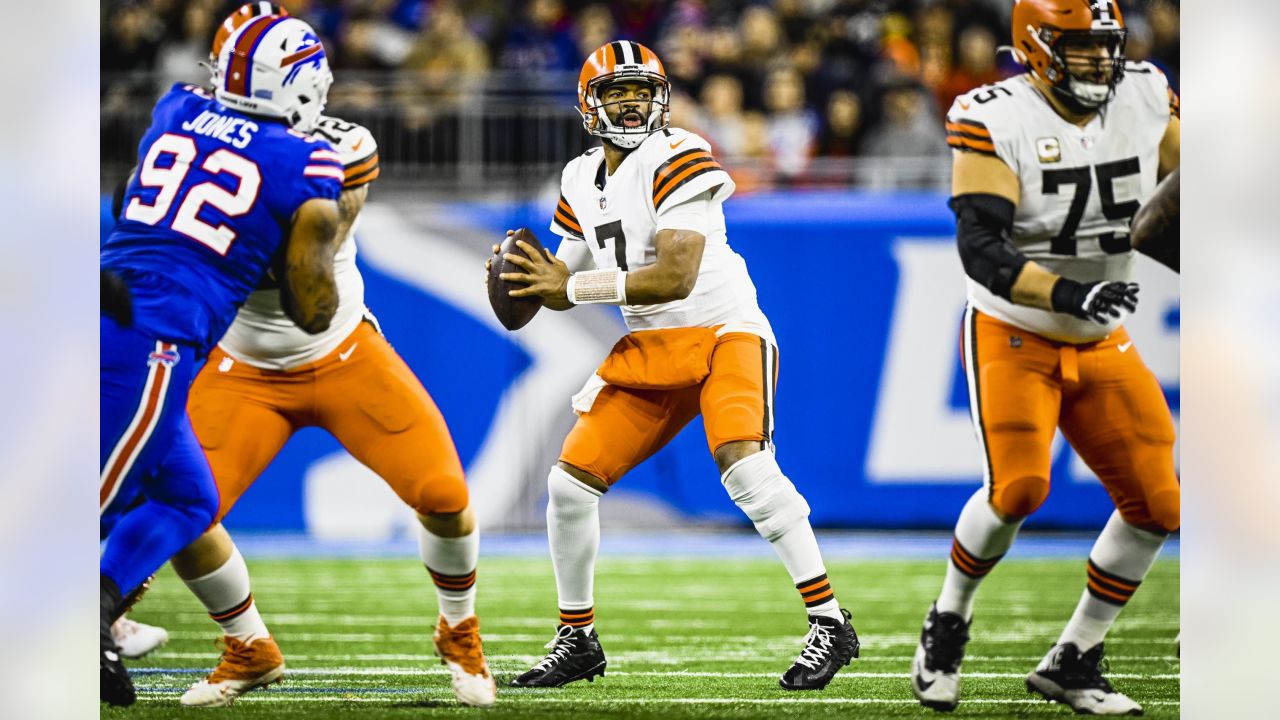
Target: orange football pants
pixel 626 425
pixel 1108 404
pixel 362 393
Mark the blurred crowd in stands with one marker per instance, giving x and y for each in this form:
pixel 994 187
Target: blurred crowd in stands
pixel 784 79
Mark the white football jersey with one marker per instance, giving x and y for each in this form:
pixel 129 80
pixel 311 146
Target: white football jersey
pixel 618 216
pixel 1080 186
pixel 262 335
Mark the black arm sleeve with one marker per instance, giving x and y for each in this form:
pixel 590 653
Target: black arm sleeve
pixel 117 197
pixel 983 224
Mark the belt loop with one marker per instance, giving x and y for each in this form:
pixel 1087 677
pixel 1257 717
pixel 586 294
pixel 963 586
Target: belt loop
pixel 1069 363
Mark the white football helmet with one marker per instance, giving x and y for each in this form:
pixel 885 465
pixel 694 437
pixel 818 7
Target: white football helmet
pixel 275 66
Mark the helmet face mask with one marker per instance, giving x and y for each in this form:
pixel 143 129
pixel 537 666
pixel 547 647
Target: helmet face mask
pixel 1076 47
pixel 623 94
pixel 1089 66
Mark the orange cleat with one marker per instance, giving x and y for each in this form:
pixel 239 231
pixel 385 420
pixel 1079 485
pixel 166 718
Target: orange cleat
pixel 243 667
pixel 459 648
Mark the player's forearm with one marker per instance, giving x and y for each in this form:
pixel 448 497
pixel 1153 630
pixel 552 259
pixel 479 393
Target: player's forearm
pixel 658 284
pixel 1034 287
pixel 309 294
pixel 350 203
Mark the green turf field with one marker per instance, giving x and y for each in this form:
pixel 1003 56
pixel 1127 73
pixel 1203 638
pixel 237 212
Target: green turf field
pixel 684 638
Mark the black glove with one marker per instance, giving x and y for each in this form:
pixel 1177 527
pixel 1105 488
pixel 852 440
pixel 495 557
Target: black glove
pixel 1100 302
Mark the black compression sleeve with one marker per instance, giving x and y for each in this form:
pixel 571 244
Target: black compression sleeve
pixel 983 224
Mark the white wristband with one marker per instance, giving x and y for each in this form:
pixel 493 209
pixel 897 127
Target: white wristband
pixel 604 287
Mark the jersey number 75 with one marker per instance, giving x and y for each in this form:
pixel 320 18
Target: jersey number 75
pixel 182 151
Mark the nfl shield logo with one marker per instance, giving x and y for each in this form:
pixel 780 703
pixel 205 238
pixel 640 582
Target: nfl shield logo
pixel 604 202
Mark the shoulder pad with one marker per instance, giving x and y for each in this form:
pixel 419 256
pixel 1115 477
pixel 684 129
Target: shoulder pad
pixel 683 167
pixel 1153 85
pixel 979 118
pixel 357 150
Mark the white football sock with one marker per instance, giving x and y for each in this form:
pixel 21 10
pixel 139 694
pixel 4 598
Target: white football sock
pixel 225 593
pixel 1119 561
pixel 451 561
pixel 981 539
pixel 573 532
pixel 781 516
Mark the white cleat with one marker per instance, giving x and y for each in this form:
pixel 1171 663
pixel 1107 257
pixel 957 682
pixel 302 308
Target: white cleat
pixel 243 667
pixel 460 650
pixel 935 670
pixel 1075 680
pixel 935 690
pixel 137 639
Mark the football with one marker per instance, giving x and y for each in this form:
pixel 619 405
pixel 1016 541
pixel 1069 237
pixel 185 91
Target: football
pixel 513 313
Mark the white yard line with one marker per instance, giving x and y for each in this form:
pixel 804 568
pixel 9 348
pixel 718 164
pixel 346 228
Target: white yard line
pixel 349 671
pixel 515 701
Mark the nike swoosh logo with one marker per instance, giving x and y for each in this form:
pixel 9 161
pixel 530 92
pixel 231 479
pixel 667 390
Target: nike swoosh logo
pixel 1126 346
pixel 675 145
pixel 344 355
pixel 357 145
pixel 921 683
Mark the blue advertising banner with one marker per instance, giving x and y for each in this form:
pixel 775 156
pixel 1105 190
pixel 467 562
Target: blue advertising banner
pixel 865 293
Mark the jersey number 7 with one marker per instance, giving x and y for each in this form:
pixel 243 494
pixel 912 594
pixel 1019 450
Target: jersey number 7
pixel 182 151
pixel 1064 243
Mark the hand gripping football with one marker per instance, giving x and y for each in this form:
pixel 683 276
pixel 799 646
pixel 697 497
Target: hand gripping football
pixel 513 313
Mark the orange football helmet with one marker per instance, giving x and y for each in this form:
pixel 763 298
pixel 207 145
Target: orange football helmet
pixel 1044 31
pixel 621 61
pixel 244 14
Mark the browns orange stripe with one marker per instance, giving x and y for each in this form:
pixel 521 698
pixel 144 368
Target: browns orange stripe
pixel 961 127
pixel 962 143
pixel 363 179
pixel 676 164
pixel 577 618
pixel 814 584
pixel 701 169
pixel 568 223
pixel 361 166
pixel 1107 596
pixel 819 599
pixel 972 566
pixel 238 609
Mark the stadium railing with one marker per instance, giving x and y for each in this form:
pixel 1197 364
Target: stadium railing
pixel 497 132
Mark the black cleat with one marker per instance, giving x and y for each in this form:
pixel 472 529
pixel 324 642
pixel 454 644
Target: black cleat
pixel 1075 679
pixel 114 685
pixel 935 670
pixel 829 646
pixel 575 655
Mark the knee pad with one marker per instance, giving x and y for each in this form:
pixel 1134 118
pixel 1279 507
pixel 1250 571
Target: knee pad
pixel 1021 496
pixel 767 497
pixel 1161 511
pixel 443 494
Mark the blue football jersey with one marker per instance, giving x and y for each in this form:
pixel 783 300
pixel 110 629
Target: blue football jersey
pixel 207 210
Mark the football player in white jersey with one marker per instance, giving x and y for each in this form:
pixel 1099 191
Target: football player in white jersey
pixel 1049 167
pixel 266 380
pixel 643 212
